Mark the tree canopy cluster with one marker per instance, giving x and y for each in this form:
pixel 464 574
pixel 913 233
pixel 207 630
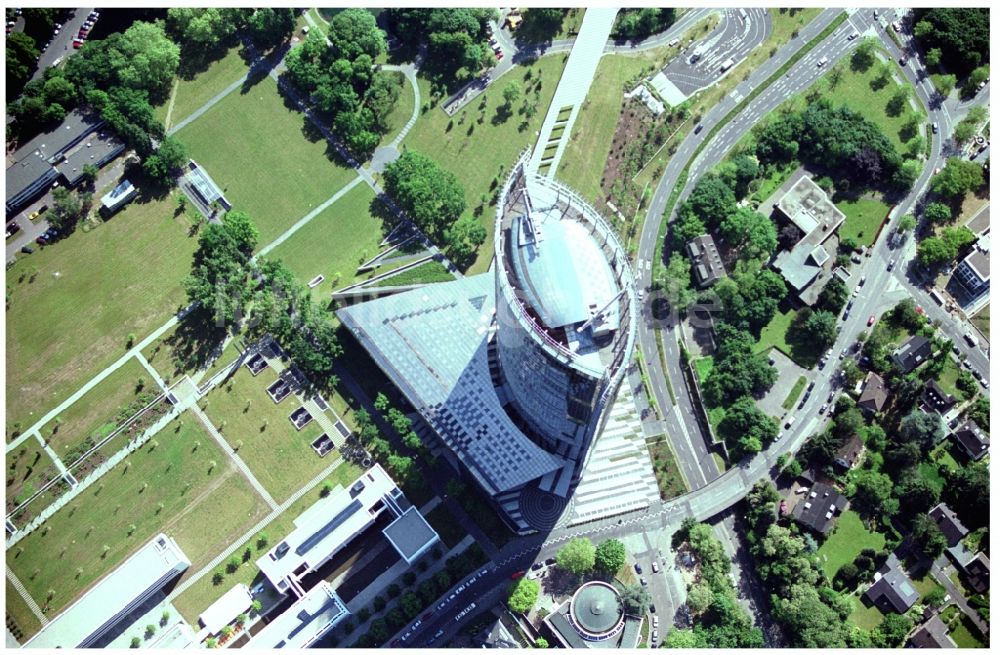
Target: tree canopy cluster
pixel 636 24
pixel 957 178
pixel 962 36
pixel 812 613
pixel 721 622
pixel 457 39
pixel 342 81
pixel 836 138
pixel 609 556
pixel 434 199
pixel 523 594
pixel 738 371
pixel 937 250
pixel 578 556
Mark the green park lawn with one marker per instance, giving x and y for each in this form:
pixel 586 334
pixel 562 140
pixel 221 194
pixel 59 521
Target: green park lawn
pixel 863 217
pixel 703 366
pixel 866 618
pixel 193 92
pixel 184 348
pixel 948 378
pixel 966 634
pixel 28 466
pixel 71 305
pixel 266 157
pixel 849 538
pixel 403 110
pixel 20 614
pixel 982 321
pixel 774 334
pixel 279 456
pixel 203 508
pixel 97 409
pixel 204 592
pixel 477 152
pixel 855 90
pixel 335 242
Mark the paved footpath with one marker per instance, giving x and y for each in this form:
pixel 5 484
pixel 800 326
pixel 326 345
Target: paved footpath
pixel 28 600
pixel 237 460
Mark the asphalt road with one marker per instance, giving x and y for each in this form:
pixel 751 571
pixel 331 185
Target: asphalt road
pixel 733 38
pixel 62 43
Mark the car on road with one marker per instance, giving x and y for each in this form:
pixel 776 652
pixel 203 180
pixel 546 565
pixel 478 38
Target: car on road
pixel 971 339
pixel 934 128
pixel 902 61
pixel 871 320
pixel 442 604
pixel 656 636
pixel 811 386
pixel 536 566
pixel 12 229
pixel 38 212
pixel 853 35
pixel 517 575
pixel 435 637
pixel 550 561
pixel 843 353
pixel 857 290
pixel 822 62
pixel 642 581
pixel 427 615
pixel 822 408
pixel 875 14
pixel 77 44
pixel 698 127
pixel 891 265
pixel 789 422
pixel 656 567
pixel 638 568
pixel 896 27
pixel 829 398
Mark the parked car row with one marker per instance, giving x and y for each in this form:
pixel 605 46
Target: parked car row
pixel 85 29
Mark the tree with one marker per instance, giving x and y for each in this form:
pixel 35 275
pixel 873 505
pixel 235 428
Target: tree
pixel 22 55
pixel 353 32
pixel 892 631
pixel 745 428
pixel 873 493
pixel 578 556
pixel 834 296
pixel 864 55
pixel 700 597
pixel 242 229
pixel 915 493
pixel 906 223
pixel 897 102
pixel 511 92
pixel 680 638
pixel 635 599
pixel 160 165
pixel 957 178
pixel 938 212
pixel 523 594
pixel 934 251
pixel 609 556
pixel 848 423
pixel 675 280
pixel 200 30
pixel 967 491
pixel 927 537
pixel 147 60
pixel 810 622
pixel 820 327
pixel 933 56
pixel 980 412
pixel 751 233
pixel 464 238
pixel 712 199
pixel 922 429
pixel 269 27
pixel 541 643
pixel 432 197
pixel 135 642
pixel 962 35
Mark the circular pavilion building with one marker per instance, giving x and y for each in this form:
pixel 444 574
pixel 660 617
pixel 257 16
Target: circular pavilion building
pixel 596 611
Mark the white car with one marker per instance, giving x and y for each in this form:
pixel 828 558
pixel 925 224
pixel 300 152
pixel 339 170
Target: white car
pixel 656 567
pixel 822 62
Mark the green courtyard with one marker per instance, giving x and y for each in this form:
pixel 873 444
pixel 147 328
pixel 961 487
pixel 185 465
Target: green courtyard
pixel 193 91
pixel 72 305
pixel 260 431
pixel 179 483
pixel 266 157
pixel 862 217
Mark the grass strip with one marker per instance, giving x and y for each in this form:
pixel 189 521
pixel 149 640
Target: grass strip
pixel 793 395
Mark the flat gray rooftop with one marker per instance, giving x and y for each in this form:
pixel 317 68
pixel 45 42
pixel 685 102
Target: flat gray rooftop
pixel 432 343
pixel 410 534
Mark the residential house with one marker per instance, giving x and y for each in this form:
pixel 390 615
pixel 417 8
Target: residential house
pixel 892 590
pixel 819 508
pixel 977 573
pixel 847 455
pixel 705 261
pixel 913 352
pixel 937 399
pixel 971 439
pixel 873 394
pixel 948 522
pixel 932 634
